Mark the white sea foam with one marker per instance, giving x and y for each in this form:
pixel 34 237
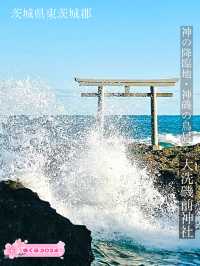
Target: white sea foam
pixel 28 96
pixel 169 138
pixel 176 139
pixel 93 183
pixel 100 188
pixel 117 200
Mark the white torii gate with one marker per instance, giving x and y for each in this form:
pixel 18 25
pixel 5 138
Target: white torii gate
pixel 127 84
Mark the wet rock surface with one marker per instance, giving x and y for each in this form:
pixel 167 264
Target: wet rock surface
pixel 24 215
pixel 165 165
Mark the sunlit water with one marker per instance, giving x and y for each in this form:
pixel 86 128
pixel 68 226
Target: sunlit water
pixel 89 179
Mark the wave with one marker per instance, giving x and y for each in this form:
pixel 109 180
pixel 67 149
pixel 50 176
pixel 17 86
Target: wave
pixel 176 139
pixel 169 139
pixel 28 97
pixel 90 180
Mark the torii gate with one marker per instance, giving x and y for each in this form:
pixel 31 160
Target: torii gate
pixel 127 84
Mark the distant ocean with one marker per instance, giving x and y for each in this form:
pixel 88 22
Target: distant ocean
pixel 92 182
pixel 131 127
pixel 138 127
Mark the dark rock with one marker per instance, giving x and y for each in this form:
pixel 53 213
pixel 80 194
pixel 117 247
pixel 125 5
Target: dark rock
pixel 23 215
pixel 164 165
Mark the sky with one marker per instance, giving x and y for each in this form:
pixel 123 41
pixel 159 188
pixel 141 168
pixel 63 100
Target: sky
pixel 131 39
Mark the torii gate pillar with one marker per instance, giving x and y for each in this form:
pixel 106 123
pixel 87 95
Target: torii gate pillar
pixel 100 108
pixel 154 119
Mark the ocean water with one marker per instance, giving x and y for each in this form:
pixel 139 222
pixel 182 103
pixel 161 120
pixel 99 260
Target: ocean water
pixel 88 178
pixel 138 128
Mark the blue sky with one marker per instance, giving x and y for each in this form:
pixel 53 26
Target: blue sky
pixel 123 39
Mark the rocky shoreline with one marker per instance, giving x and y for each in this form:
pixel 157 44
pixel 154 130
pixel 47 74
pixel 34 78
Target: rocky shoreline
pixel 164 165
pixel 24 215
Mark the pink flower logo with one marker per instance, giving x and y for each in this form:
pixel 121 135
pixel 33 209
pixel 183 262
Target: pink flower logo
pixel 10 251
pixel 23 249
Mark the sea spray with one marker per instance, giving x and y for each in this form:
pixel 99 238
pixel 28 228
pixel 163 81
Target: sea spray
pixel 86 178
pixel 91 181
pixel 28 97
pixel 111 195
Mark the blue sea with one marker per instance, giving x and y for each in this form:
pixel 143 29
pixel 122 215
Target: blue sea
pixel 138 127
pixel 89 179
